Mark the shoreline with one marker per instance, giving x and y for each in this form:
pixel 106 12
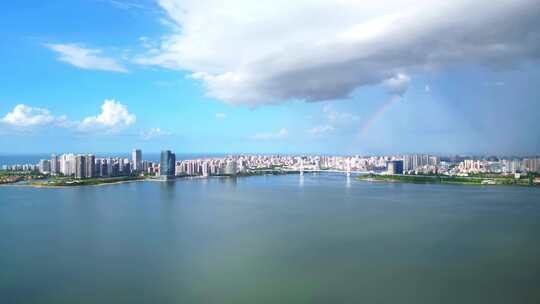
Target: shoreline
pixel 78 183
pixel 447 180
pixel 104 181
pixel 92 185
pixel 409 179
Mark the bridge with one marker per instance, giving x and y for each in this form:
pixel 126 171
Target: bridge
pixel 338 171
pixel 301 171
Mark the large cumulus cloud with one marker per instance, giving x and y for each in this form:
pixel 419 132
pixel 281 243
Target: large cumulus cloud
pixel 253 52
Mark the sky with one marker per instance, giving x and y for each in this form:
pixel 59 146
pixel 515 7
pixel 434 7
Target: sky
pixel 329 77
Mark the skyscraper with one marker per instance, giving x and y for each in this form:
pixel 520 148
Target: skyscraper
pixel 205 169
pixel 414 161
pixel 395 167
pixel 90 162
pixel 136 158
pixel 110 166
pixel 98 167
pixel 167 165
pixel 230 167
pixel 45 166
pixel 67 164
pixel 55 164
pixel 80 166
pixel 532 164
pixel 408 163
pixel 121 165
pixel 103 169
pixel 115 169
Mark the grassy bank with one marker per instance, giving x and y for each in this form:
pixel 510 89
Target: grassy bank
pixel 67 182
pixel 443 179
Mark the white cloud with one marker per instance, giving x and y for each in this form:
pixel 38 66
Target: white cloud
pixel 149 44
pixel 336 117
pixel 321 129
pixel 84 58
pixel 282 133
pixel 333 120
pixel 314 50
pixel 153 133
pixel 397 84
pixel 221 115
pixel 125 5
pixel 26 117
pixel 114 116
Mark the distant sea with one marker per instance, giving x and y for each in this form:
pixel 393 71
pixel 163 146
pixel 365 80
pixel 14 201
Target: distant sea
pixel 12 159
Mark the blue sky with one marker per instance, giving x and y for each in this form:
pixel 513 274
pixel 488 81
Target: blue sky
pixel 198 76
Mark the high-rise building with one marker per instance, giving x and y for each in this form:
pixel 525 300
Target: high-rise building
pixel 121 165
pixel 115 171
pixel 167 165
pixel 136 158
pixel 407 163
pixel 55 164
pixel 98 167
pixel 205 169
pixel 80 166
pixel 67 164
pixel 63 164
pixel 103 168
pixel 127 168
pixel 72 164
pixel 395 167
pixel 434 160
pixel 90 163
pixel 417 161
pixel 45 166
pixel 414 161
pixel 532 164
pixel 110 166
pixel 230 167
pixel 144 166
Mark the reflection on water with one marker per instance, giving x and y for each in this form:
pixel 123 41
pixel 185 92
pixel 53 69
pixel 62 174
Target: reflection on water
pixel 168 189
pixel 229 183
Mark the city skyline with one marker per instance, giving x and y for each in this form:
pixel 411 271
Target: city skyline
pixel 158 74
pixel 168 166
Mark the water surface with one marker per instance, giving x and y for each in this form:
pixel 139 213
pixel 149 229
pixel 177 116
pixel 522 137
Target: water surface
pixel 270 239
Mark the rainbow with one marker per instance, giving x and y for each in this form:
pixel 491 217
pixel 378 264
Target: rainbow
pixel 379 113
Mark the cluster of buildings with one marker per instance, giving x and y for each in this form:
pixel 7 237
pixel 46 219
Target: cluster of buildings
pixel 463 166
pixel 89 166
pixel 86 165
pixel 21 167
pixel 241 164
pixel 207 167
pixel 497 166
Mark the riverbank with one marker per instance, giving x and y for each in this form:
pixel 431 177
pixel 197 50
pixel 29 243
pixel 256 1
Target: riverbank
pixel 450 180
pixel 70 182
pixel 416 179
pixel 62 182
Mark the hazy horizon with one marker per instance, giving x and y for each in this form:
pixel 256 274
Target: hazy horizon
pixel 273 153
